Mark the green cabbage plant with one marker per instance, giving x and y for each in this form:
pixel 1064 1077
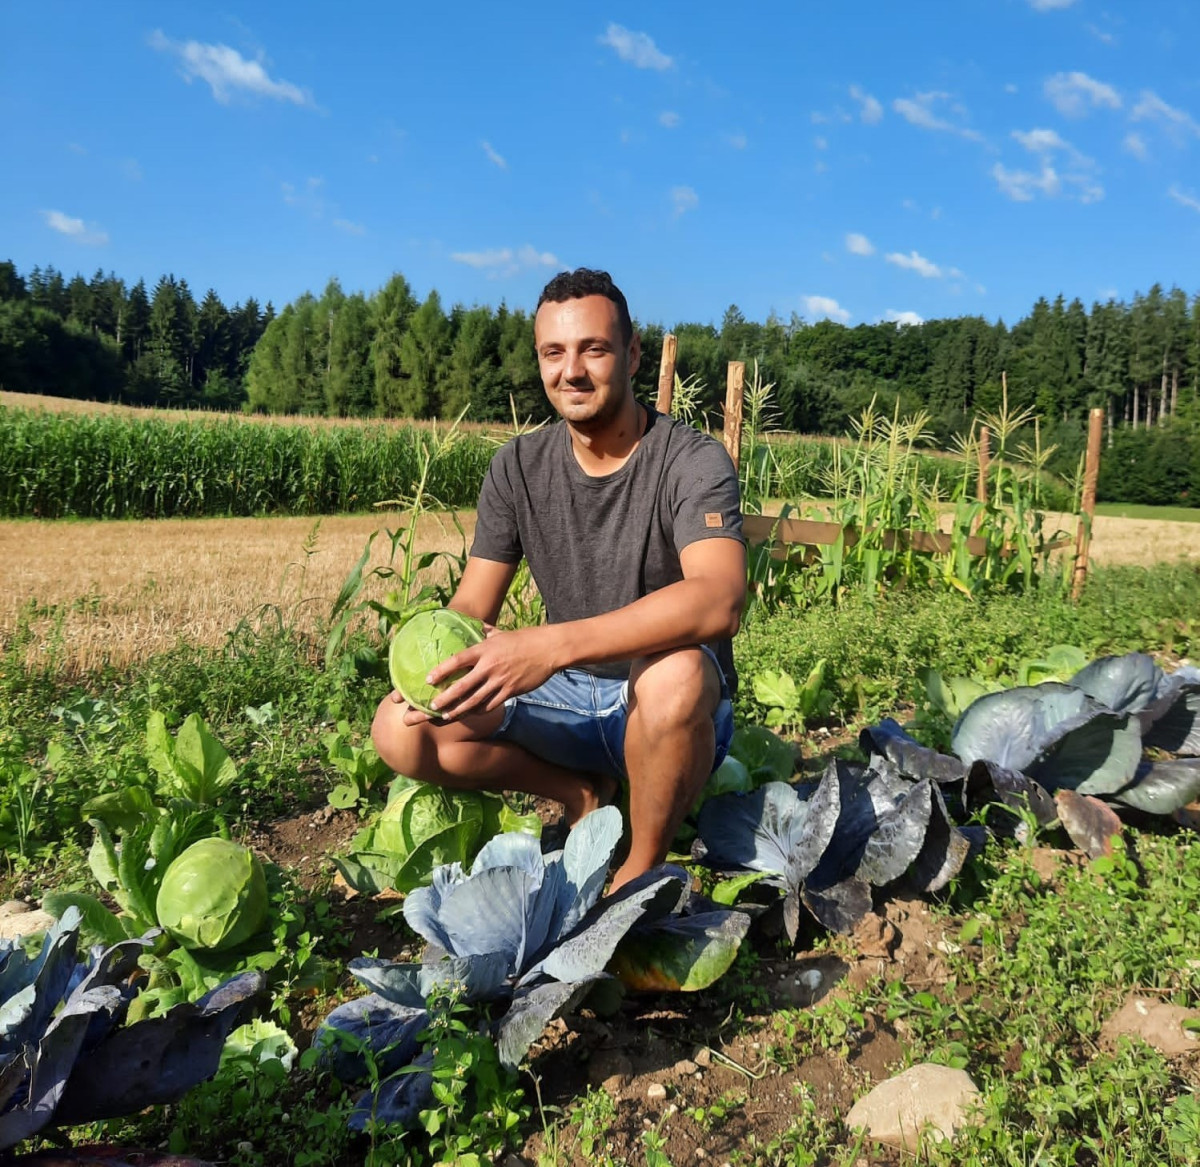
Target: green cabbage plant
pixel 423 641
pixel 423 827
pixel 213 896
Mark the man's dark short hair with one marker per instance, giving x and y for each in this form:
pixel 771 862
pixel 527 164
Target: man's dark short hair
pixel 585 281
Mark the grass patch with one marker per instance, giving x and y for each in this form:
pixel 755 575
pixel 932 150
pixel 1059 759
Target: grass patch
pixel 1133 510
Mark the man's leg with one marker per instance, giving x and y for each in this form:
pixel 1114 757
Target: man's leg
pixel 461 755
pixel 669 749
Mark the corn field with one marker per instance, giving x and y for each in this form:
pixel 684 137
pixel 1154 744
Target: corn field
pixel 59 466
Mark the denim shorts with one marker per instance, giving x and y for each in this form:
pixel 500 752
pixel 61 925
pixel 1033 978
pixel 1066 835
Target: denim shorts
pixel 577 720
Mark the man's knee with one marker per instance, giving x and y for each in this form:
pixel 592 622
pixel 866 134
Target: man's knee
pixel 400 746
pixel 676 687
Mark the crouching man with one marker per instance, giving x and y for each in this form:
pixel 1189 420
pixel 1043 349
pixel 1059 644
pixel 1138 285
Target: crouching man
pixel 631 525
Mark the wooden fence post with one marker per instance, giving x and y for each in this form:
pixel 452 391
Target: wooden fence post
pixel 732 429
pixel 666 375
pixel 985 458
pixel 1091 472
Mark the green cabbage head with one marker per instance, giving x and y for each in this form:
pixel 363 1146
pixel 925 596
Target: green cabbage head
pixel 213 896
pixel 423 641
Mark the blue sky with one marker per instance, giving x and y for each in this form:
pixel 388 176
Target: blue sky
pixel 859 161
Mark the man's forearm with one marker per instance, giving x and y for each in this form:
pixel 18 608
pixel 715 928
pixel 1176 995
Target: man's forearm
pixel 692 611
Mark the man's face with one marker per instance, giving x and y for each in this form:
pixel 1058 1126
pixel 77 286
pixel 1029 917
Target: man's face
pixel 585 365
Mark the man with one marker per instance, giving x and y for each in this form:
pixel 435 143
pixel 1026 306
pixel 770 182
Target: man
pixel 631 525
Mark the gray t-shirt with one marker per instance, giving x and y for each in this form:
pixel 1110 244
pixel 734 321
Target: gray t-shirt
pixel 597 544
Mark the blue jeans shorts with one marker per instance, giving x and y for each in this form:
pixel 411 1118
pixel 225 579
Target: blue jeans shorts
pixel 577 720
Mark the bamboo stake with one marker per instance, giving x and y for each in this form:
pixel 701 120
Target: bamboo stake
pixel 666 374
pixel 1091 471
pixel 732 429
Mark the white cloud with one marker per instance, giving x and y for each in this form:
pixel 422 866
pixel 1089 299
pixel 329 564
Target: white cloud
pixel 637 48
pixel 503 261
pixel 1135 144
pixel 668 118
pixel 74 228
pixel 1011 88
pixel 494 158
pixel 858 244
pixel 825 308
pixel 1074 94
pixel 737 141
pixel 684 199
pixel 869 109
pixel 227 72
pixel 821 143
pixel 914 261
pixel 919 111
pixel 349 228
pixel 308 197
pixel 1178 122
pixel 1049 5
pixel 894 317
pixel 1183 198
pixel 1105 37
pixel 1076 180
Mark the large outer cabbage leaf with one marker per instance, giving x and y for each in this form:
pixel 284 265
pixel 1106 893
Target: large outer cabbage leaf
pixel 1124 684
pixel 908 755
pixel 680 953
pixel 1172 721
pixel 1054 733
pixel 1163 787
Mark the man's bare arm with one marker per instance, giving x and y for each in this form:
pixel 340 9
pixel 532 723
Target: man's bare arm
pixel 481 591
pixel 705 605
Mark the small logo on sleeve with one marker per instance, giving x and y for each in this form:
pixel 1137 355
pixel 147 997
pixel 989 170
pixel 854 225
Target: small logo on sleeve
pixel 714 519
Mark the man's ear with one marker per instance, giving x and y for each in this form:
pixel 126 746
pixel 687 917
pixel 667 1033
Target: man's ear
pixel 635 353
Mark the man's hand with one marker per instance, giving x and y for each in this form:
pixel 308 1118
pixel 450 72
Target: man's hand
pixel 502 666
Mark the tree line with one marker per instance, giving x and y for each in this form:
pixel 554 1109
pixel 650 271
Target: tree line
pixel 390 354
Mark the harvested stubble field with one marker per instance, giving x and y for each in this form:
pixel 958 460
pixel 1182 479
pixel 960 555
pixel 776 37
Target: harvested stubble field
pixel 119 592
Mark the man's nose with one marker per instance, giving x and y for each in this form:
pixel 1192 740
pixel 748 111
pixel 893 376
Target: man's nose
pixel 575 369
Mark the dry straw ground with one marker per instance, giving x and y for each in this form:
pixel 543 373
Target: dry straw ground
pixel 121 591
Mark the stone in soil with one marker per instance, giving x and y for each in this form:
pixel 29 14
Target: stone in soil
pixel 1157 1023
pixel 924 1097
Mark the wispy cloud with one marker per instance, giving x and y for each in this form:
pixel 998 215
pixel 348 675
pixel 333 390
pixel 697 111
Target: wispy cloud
pixel 668 118
pixel 825 308
pixel 737 140
pixel 923 109
pixel 131 169
pixel 1075 94
pixel 1135 144
pixel 349 228
pixel 821 143
pixel 504 261
pixel 307 197
pixel 1178 122
pixel 683 199
pixel 914 261
pixel 1184 198
pixel 494 158
pixel 75 229
pixel 227 72
pixel 869 109
pixel 1101 35
pixel 858 244
pixel 1049 5
pixel 637 48
pixel 1073 177
pixel 76 148
pixel 891 316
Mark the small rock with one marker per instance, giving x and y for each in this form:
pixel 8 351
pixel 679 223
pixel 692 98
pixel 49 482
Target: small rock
pixel 811 979
pixel 24 924
pixel 656 1092
pixel 13 908
pixel 701 1153
pixel 897 1110
pixel 245 1147
pixel 685 1067
pixel 1157 1023
pixel 702 1056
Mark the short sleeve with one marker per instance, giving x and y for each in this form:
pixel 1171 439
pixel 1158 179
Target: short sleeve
pixel 496 534
pixel 705 499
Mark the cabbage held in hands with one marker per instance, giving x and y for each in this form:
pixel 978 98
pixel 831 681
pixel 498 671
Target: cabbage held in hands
pixel 423 642
pixel 213 896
